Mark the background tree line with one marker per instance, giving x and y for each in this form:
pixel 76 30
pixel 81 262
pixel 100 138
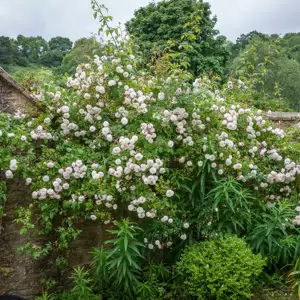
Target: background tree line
pixel 174 35
pixel 25 50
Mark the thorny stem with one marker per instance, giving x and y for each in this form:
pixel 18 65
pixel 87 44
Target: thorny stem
pixel 103 19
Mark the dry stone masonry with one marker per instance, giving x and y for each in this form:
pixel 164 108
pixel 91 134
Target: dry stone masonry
pixel 20 274
pixel 13 97
pixel 284 119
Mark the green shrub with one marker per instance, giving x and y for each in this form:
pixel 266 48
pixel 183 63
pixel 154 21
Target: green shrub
pixel 275 236
pixel 223 268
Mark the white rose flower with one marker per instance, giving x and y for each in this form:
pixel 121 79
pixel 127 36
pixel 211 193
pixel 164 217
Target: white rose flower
pixel 65 186
pixel 138 156
pixel 13 167
pixel 228 162
pixel 116 150
pixel 46 178
pixel 162 170
pixel 124 121
pixel 13 162
pixel 50 164
pixel 130 207
pixel 112 83
pixel 153 170
pixel 9 174
pixel 93 217
pixel 28 181
pixel 186 225
pixel 170 144
pixel 92 129
pixel 101 90
pixel 183 237
pixel 169 193
pixel 189 163
pixel 164 218
pixel 150 246
pixel 161 96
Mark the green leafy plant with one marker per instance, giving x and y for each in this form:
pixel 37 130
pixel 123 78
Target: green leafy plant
pixel 294 277
pixel 82 289
pixel 155 281
pixel 222 268
pixel 230 204
pixel 184 31
pixel 120 263
pixel 124 258
pixel 275 236
pixel 45 296
pixel 99 269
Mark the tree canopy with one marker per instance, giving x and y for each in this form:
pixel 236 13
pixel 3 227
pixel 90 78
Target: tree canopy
pixel 23 51
pixel 62 44
pixel 82 52
pixel 269 62
pixel 186 27
pixel 6 50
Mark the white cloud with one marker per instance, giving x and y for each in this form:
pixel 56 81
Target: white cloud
pixel 268 16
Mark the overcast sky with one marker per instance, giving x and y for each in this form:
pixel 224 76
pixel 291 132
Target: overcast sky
pixel 73 18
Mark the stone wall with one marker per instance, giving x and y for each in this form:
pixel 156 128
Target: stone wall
pixel 13 97
pixel 19 274
pixel 284 119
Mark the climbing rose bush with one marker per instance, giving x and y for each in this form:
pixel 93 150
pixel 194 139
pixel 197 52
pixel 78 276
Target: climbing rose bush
pixel 118 140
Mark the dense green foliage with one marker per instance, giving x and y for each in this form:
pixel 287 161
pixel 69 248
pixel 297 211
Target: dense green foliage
pixel 122 262
pixel 269 61
pixel 23 51
pixel 84 49
pixel 185 28
pixel 274 236
pixel 222 268
pixel 6 50
pixel 171 161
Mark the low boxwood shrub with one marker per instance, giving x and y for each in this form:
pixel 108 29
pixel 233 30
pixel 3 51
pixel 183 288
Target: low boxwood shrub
pixel 221 268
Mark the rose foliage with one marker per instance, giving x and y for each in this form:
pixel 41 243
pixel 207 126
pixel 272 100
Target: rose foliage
pixel 176 155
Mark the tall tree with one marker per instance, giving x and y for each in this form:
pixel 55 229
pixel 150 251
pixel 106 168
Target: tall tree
pixel 82 52
pixel 184 27
pixel 6 50
pixel 32 47
pixel 266 63
pixel 51 58
pixel 61 44
pixel 245 39
pixel 58 48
